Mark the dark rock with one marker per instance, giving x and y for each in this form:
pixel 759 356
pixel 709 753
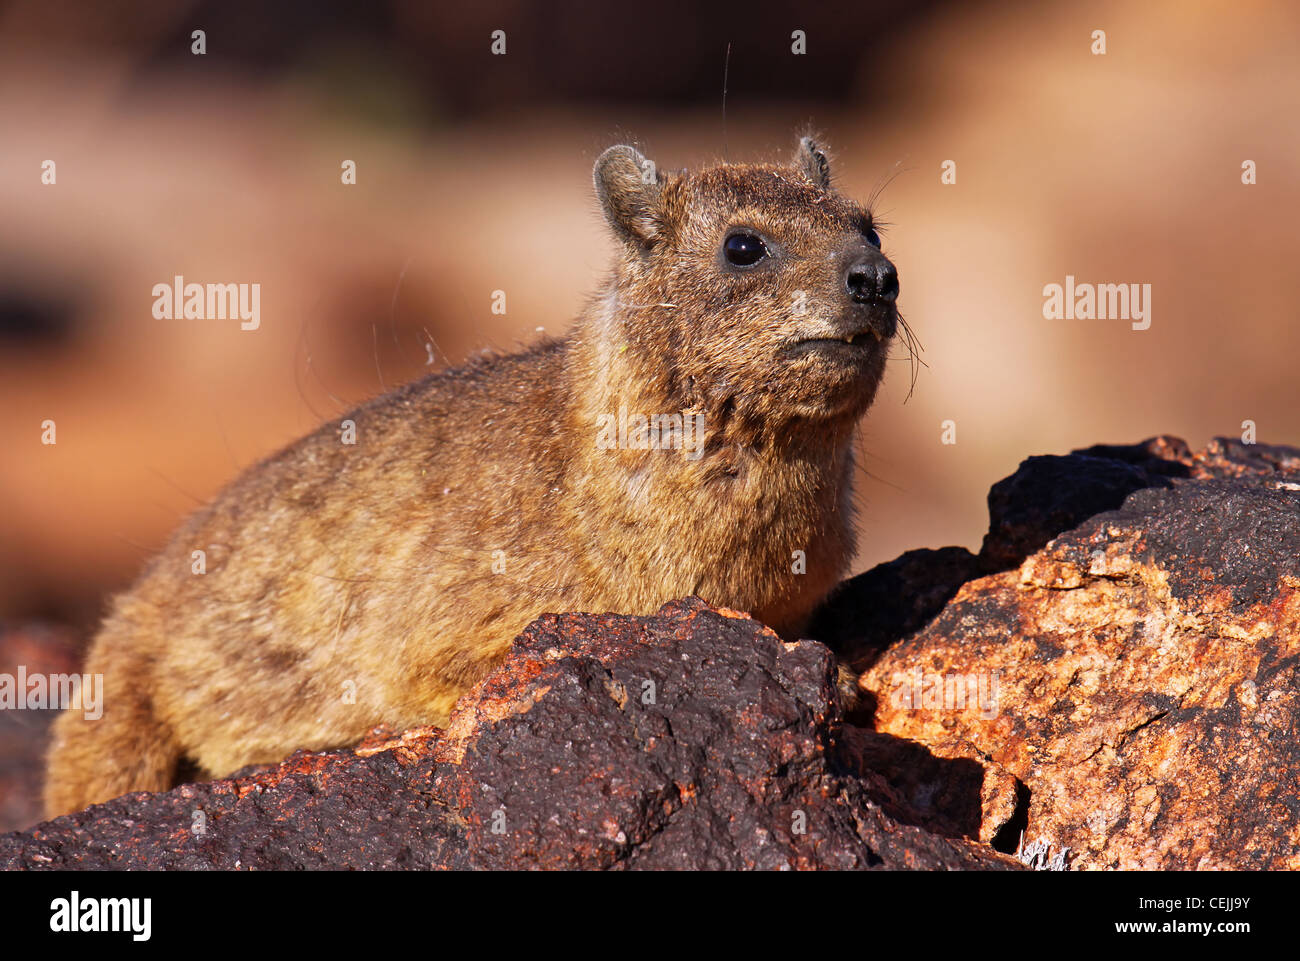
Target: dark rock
pixel 1048 495
pixel 1159 456
pixel 691 739
pixel 913 785
pixel 867 613
pixel 1226 457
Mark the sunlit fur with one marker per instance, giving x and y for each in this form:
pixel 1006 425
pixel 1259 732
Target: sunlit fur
pixel 368 570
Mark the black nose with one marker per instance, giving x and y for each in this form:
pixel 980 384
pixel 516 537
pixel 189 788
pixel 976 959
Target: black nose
pixel 872 279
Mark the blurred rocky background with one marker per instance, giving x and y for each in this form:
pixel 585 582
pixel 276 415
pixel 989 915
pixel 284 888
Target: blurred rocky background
pixel 473 174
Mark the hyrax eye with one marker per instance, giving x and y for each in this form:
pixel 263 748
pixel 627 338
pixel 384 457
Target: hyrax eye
pixel 744 250
pixel 873 238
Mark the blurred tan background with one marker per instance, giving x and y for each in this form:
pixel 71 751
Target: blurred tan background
pixel 474 175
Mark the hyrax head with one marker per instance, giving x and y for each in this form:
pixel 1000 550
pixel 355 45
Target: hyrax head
pixel 757 285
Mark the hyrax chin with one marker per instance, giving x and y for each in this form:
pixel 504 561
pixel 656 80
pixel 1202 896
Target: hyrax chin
pixel 692 434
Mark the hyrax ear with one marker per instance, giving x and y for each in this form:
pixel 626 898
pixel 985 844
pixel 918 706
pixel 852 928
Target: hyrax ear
pixel 630 189
pixel 812 162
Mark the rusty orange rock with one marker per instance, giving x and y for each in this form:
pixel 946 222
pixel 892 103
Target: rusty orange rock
pixel 1144 665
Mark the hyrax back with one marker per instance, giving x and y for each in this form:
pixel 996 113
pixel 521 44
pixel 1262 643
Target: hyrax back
pixel 692 434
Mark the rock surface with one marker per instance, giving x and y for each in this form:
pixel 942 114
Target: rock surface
pixel 1146 659
pixel 1127 642
pixel 691 739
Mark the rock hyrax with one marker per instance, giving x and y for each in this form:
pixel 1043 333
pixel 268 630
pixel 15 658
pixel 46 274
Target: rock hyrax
pixel 691 434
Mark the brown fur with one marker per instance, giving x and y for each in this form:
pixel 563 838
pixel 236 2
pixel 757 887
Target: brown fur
pixel 370 567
